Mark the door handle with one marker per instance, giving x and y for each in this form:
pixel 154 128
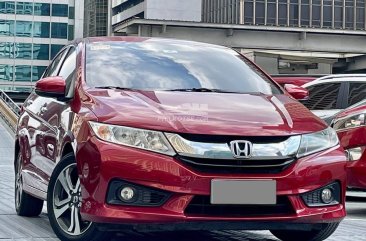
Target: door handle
pixel 29 102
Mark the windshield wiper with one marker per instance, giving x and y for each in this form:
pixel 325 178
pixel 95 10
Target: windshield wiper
pixel 113 88
pixel 202 90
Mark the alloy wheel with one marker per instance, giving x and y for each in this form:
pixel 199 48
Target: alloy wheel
pixel 18 184
pixel 67 202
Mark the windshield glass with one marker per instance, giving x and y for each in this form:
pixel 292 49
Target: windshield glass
pixel 170 65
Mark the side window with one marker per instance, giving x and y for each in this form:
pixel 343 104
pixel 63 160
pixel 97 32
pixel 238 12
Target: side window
pixel 357 92
pixel 323 96
pixel 52 70
pixel 68 71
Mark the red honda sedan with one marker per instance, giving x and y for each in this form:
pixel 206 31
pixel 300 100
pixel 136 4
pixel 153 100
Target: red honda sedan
pixel 148 134
pixel 350 125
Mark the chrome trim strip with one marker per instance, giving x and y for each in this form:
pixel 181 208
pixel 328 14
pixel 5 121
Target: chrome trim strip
pixel 280 150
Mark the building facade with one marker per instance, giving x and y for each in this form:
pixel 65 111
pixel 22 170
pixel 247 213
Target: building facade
pixel 31 34
pixel 283 36
pixel 327 14
pixel 187 10
pixel 96 18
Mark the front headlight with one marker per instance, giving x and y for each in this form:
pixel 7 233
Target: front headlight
pixel 350 122
pixel 144 139
pixel 318 141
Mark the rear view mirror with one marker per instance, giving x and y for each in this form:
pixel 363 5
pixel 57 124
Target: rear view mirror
pixel 53 87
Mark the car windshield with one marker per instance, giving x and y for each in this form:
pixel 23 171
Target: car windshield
pixel 173 65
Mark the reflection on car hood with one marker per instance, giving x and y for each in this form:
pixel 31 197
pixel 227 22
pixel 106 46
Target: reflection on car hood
pixel 204 113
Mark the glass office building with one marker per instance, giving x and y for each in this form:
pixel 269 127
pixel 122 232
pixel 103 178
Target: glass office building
pixel 31 34
pixel 96 18
pixel 330 14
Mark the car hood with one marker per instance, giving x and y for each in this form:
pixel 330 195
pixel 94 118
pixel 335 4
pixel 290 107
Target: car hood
pixel 204 113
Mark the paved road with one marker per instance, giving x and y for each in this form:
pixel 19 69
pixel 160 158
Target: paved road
pixel 17 228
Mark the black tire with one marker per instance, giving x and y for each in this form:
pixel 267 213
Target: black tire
pixel 25 204
pixel 319 233
pixel 88 230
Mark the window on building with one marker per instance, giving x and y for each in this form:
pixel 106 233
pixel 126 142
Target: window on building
pixel 23 29
pixel 338 13
pixel 357 93
pixel 7 7
pixel 41 30
pixel 316 7
pixel 55 48
pixel 70 33
pixel 60 10
pixel 6 72
pixel 7 28
pixel 23 73
pixel 248 12
pixel 294 13
pixel 71 12
pixel 323 96
pixel 37 72
pixel 259 12
pixel 23 50
pixel 271 12
pixel 25 8
pixel 59 30
pixel 282 12
pixel 305 13
pixel 349 14
pixel 42 9
pixel 41 51
pixel 360 14
pixel 6 50
pixel 327 13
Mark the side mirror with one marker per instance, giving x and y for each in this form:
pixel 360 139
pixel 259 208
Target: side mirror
pixel 54 87
pixel 297 92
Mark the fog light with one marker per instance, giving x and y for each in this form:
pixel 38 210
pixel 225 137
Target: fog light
pixel 127 194
pixel 327 196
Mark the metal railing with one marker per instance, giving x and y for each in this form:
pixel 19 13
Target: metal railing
pixel 9 110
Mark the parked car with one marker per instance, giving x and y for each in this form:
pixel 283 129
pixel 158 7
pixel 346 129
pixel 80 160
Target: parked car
pixel 331 94
pixel 350 125
pixel 298 80
pixel 128 133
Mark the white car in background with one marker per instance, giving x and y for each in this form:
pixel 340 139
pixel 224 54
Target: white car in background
pixel 331 94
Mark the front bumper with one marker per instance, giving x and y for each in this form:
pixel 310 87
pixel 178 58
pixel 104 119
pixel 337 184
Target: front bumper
pixel 99 163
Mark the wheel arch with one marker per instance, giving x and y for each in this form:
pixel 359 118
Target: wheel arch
pixel 16 151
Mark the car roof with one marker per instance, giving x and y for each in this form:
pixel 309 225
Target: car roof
pixel 338 78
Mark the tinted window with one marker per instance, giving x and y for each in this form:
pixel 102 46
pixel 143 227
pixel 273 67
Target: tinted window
pixel 41 30
pixel 23 29
pixel 24 8
pixel 162 64
pixel 357 93
pixel 23 50
pixel 7 7
pixel 55 48
pixel 42 9
pixel 59 30
pixel 6 72
pixel 37 72
pixel 60 10
pixel 6 50
pixel 41 51
pixel 54 66
pixel 23 73
pixel 323 96
pixel 7 28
